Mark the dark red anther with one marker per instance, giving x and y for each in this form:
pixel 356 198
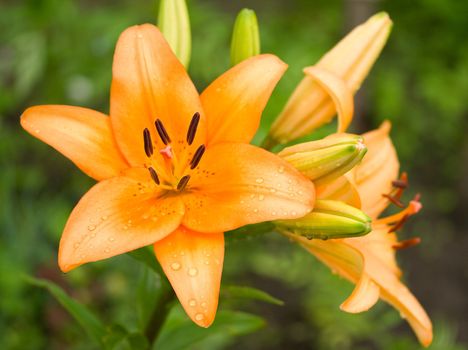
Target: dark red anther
pixel 154 175
pixel 162 132
pixel 407 243
pixel 147 142
pixel 197 156
pixel 183 182
pixel 192 130
pixel 394 200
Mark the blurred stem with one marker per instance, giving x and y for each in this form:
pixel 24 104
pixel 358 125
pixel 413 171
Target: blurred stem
pixel 269 143
pixel 160 312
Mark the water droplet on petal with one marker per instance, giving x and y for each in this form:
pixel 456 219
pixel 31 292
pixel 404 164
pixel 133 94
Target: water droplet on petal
pixel 281 169
pixel 192 272
pixel 91 227
pixel 111 239
pixel 259 180
pixel 199 317
pixel 192 302
pixel 107 250
pixel 76 245
pixel 175 266
pixel 261 197
pixel 104 217
pixel 203 305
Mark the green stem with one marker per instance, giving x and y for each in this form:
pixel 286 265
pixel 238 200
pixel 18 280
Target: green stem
pixel 269 143
pixel 160 312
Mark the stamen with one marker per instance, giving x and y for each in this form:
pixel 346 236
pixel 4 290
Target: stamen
pixel 192 130
pixel 394 200
pixel 154 175
pixel 413 208
pixel 407 243
pixel 400 184
pixel 197 157
pixel 147 142
pixel 162 132
pixel 399 224
pixel 183 182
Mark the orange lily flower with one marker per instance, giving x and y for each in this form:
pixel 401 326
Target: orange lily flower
pixel 369 261
pixel 174 168
pixel 329 86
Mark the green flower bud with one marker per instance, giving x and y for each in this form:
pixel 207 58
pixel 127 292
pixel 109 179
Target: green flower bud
pixel 245 37
pixel 174 23
pixel 329 219
pixel 327 159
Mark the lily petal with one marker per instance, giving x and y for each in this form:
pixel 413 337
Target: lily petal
pixel 235 101
pixel 364 296
pixel 150 83
pixel 82 135
pixel 377 170
pixel 336 88
pixel 116 216
pixel 341 189
pixel 193 263
pixel 252 186
pixel 399 296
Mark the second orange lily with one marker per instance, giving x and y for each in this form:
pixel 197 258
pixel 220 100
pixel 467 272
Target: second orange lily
pixel 174 168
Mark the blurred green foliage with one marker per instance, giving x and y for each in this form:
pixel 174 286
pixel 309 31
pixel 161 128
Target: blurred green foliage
pixel 60 51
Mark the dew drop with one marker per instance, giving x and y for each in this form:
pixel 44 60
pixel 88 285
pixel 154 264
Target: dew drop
pixel 294 213
pixel 175 266
pixel 91 227
pixel 192 302
pixel 192 272
pixel 255 210
pixel 76 245
pixel 259 180
pixel 111 239
pixel 199 317
pixel 281 169
pixel 273 213
pixel 203 305
pixel 272 190
pixel 107 250
pixel 125 227
pixel 207 262
pixel 104 217
pixel 261 197
pixel 93 235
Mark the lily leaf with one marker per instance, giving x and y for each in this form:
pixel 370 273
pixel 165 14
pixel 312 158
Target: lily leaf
pixel 148 291
pixel 87 320
pixel 250 293
pixel 146 256
pixel 180 333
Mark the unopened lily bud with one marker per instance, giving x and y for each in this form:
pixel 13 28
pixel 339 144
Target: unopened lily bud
pixel 328 87
pixel 325 160
pixel 329 220
pixel 245 37
pixel 174 23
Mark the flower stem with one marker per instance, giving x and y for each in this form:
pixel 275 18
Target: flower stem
pixel 269 143
pixel 160 312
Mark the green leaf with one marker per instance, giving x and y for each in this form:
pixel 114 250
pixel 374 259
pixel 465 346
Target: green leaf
pixel 148 293
pixel 146 256
pixel 181 333
pixel 90 323
pixel 249 293
pixel 118 338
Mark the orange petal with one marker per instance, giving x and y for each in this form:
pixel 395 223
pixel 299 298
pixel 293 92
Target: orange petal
pixel 309 107
pixel 235 101
pixel 399 296
pixel 340 93
pixel 116 216
pixel 82 135
pixel 364 296
pixel 149 83
pixel 341 189
pixel 251 185
pixel 377 170
pixel 193 263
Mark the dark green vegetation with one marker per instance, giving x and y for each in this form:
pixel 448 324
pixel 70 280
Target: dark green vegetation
pixel 60 51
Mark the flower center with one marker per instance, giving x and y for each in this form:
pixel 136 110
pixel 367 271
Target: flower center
pixel 165 177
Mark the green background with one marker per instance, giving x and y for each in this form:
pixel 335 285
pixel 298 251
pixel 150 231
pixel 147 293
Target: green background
pixel 60 51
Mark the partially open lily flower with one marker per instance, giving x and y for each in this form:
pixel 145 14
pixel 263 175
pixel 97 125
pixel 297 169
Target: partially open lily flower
pixel 329 86
pixel 174 168
pixel 369 261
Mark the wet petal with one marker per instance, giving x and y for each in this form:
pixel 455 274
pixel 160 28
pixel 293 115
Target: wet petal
pixel 193 263
pixel 339 92
pixel 377 170
pixel 235 101
pixel 341 189
pixel 116 216
pixel 82 135
pixel 150 83
pixel 364 296
pixel 239 184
